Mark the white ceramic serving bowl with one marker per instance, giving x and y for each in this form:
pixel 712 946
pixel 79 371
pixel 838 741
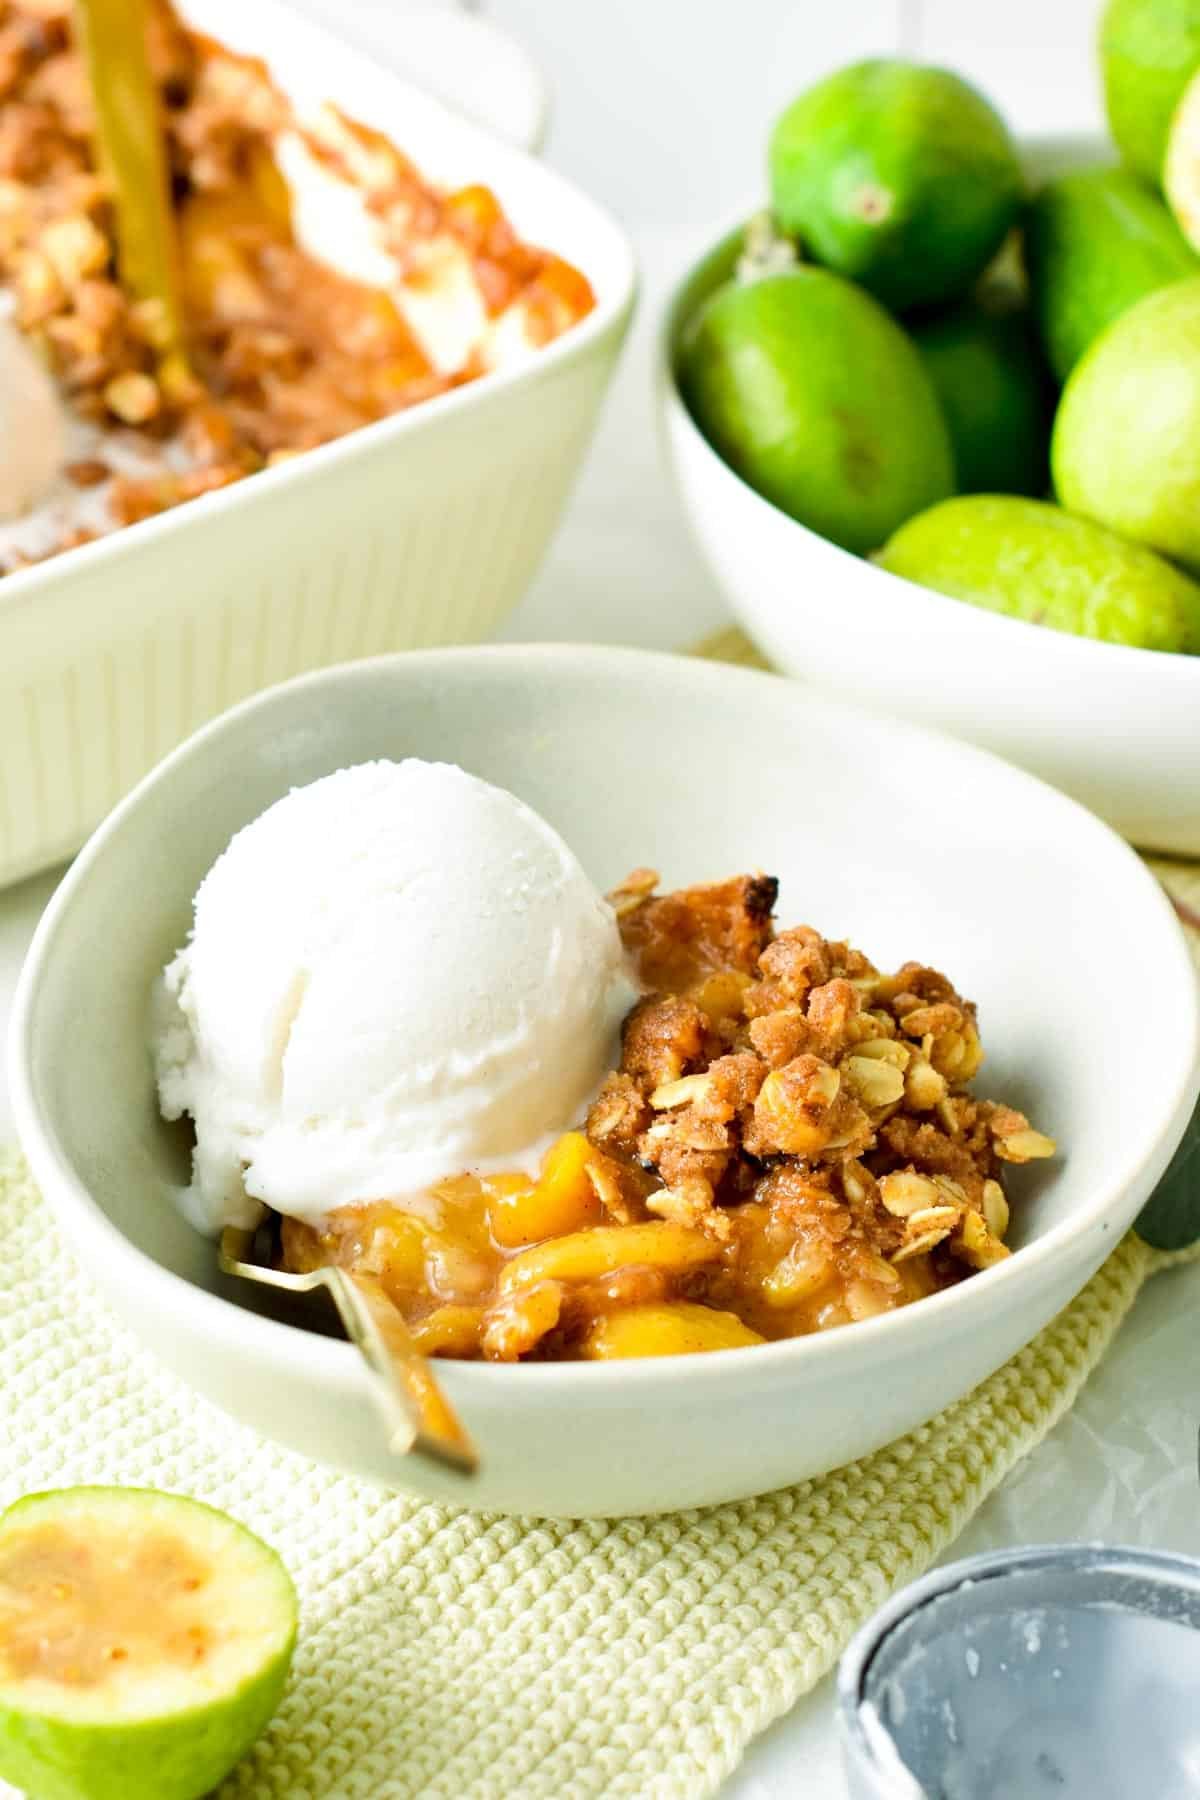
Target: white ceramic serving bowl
pixel 1117 728
pixel 907 842
pixel 422 529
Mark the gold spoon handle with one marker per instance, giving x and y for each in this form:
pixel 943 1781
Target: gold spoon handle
pixel 131 142
pixel 419 1417
pixel 420 1420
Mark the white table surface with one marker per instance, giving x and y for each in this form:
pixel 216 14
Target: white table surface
pixel 637 86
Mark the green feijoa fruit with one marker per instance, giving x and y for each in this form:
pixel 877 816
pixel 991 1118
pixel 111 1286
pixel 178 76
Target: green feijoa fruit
pixel 145 1640
pixel 989 374
pixel 1126 444
pixel 1096 242
pixel 1149 49
pixel 1035 562
pixel 817 398
pixel 902 177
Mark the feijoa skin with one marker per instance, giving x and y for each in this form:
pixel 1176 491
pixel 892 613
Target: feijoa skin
pixel 145 1641
pixel 818 399
pixel 1149 50
pixel 1032 561
pixel 987 368
pixel 1126 444
pixel 901 177
pixel 1096 242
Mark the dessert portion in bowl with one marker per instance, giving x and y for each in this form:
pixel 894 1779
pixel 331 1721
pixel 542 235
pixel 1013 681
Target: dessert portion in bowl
pixel 325 284
pixel 414 1040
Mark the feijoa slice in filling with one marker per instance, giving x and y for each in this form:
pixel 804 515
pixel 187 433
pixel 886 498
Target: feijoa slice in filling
pixel 144 1644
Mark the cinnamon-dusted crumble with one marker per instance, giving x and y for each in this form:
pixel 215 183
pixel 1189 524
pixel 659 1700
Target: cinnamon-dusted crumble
pixel 788 1143
pixel 284 352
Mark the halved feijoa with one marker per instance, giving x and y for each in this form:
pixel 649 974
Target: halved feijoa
pixel 144 1644
pixel 1181 171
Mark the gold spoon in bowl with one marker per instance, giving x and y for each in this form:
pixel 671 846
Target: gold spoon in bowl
pixel 418 1418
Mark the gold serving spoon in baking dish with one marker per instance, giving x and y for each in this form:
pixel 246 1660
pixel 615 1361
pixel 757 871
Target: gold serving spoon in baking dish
pixel 417 1416
pixel 131 147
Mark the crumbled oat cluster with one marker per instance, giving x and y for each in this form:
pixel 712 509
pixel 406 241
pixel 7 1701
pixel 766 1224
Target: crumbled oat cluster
pixel 284 353
pixel 787 1069
pixel 788 1144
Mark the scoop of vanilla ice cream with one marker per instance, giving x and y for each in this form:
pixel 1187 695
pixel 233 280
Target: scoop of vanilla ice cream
pixel 33 430
pixel 396 974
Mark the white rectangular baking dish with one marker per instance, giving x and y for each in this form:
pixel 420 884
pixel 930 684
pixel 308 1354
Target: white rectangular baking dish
pixel 422 529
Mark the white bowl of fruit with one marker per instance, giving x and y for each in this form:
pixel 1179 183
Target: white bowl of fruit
pixel 935 420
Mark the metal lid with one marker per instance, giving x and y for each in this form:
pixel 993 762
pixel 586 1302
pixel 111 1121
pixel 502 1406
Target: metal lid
pixel 1060 1670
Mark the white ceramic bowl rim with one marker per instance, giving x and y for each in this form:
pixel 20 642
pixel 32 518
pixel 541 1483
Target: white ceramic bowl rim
pixel 27 585
pixel 307 1351
pixel 936 606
